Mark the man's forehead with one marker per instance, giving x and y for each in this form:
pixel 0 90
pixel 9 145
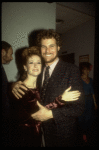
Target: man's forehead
pixel 49 41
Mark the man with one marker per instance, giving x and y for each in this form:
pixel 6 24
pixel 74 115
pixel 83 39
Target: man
pixel 60 124
pixel 6 57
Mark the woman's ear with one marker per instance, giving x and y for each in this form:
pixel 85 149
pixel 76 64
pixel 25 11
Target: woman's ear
pixel 25 68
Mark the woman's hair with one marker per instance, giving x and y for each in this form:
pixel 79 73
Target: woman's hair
pixel 5 46
pixel 26 54
pixel 47 34
pixel 84 65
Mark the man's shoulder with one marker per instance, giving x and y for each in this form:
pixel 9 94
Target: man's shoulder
pixel 68 65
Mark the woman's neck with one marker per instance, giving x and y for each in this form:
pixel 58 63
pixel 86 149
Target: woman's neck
pixel 30 82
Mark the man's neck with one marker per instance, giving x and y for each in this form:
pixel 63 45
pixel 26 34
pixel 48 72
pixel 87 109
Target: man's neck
pixel 49 64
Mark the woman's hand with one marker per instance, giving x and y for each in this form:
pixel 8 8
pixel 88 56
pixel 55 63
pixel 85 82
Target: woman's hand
pixel 16 89
pixel 70 95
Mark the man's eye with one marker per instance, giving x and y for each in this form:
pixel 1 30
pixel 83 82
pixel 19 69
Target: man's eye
pixel 52 45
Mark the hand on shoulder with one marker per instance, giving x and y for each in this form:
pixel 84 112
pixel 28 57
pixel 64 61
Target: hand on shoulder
pixel 17 89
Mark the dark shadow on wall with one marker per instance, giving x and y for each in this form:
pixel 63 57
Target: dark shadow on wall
pixel 18 58
pixel 32 37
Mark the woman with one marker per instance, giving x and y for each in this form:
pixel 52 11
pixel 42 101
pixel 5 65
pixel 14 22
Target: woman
pixel 29 128
pixel 87 118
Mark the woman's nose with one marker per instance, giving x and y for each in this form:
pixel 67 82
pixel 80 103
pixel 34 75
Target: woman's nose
pixel 35 64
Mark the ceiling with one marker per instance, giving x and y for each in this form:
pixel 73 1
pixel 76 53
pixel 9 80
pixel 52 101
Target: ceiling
pixel 73 14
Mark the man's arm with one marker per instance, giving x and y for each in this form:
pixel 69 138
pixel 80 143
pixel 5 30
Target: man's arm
pixel 17 89
pixel 74 108
pixel 42 114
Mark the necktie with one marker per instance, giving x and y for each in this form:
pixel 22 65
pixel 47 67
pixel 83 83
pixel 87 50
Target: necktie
pixel 45 83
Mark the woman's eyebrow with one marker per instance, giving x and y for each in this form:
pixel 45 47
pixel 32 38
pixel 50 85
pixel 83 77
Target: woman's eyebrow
pixel 33 60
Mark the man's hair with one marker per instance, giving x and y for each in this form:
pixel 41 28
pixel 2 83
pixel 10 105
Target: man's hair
pixel 5 46
pixel 47 34
pixel 84 65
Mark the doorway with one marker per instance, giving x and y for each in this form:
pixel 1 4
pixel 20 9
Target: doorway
pixel 70 58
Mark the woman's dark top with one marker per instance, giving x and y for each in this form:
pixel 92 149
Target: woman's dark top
pixel 29 129
pixel 87 117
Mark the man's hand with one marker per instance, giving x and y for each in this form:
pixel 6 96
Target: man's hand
pixel 70 95
pixel 43 114
pixel 16 89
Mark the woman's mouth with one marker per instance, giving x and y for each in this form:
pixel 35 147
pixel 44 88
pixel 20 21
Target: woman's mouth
pixel 35 70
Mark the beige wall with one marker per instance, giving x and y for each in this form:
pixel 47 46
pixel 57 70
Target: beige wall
pixel 19 19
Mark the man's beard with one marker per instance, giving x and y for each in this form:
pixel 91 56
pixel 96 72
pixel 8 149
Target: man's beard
pixel 6 61
pixel 51 60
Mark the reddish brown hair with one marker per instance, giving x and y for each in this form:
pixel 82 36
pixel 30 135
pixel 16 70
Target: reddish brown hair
pixel 28 52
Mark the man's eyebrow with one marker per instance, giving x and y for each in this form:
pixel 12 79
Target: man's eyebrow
pixel 52 44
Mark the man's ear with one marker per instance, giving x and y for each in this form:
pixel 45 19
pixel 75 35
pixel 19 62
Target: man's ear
pixel 25 68
pixel 58 48
pixel 3 52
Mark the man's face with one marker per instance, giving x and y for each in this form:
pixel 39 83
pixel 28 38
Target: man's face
pixel 49 50
pixel 7 57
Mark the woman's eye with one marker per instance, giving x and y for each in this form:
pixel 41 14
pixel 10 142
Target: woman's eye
pixel 30 62
pixel 43 47
pixel 34 63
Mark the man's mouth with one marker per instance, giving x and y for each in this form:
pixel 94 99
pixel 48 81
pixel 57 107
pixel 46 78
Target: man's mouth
pixel 48 55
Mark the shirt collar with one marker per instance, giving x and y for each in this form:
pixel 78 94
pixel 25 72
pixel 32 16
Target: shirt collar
pixel 52 66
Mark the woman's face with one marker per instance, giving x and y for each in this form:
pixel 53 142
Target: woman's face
pixel 33 66
pixel 85 71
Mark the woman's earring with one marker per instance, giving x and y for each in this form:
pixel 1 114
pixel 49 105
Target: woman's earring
pixel 25 70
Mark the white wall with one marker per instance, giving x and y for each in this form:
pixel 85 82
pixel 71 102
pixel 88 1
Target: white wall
pixel 19 19
pixel 80 40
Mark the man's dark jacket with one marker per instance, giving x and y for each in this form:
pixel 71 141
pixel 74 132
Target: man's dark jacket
pixel 5 110
pixel 61 131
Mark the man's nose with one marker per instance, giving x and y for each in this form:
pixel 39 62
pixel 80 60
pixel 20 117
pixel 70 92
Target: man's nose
pixel 47 50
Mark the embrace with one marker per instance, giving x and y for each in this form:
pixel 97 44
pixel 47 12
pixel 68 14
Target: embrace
pixel 53 90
